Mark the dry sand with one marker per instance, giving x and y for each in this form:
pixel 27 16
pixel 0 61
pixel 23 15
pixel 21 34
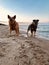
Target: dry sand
pixel 22 50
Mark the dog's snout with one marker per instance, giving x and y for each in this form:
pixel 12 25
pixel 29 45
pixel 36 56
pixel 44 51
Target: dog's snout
pixel 11 19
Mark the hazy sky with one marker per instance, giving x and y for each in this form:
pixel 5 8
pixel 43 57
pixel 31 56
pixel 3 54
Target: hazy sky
pixel 25 10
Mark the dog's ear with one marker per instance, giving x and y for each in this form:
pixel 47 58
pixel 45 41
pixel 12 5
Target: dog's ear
pixel 14 17
pixel 34 20
pixel 37 20
pixel 9 17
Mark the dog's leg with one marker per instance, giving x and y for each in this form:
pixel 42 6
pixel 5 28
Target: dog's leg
pixel 17 32
pixel 31 34
pixel 34 33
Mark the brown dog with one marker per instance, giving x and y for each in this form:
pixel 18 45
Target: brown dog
pixel 13 24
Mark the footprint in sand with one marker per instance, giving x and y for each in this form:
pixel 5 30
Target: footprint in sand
pixel 2 55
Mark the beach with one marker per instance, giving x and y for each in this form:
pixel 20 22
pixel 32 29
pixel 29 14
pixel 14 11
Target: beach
pixel 22 50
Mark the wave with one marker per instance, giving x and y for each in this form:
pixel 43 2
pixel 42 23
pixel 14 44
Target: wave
pixel 43 31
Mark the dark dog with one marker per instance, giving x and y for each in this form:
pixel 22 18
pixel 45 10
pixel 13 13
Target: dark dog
pixel 32 27
pixel 13 24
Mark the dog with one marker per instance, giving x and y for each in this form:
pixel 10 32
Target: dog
pixel 33 27
pixel 14 26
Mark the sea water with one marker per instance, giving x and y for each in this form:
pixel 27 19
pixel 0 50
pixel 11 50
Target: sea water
pixel 42 29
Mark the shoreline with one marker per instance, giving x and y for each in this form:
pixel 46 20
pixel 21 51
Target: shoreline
pixel 37 36
pixel 25 32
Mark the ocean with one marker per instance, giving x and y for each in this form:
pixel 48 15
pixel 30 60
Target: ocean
pixel 42 30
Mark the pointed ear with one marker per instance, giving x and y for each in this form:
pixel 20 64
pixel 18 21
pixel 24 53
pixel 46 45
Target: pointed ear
pixel 34 20
pixel 9 17
pixel 37 20
pixel 14 17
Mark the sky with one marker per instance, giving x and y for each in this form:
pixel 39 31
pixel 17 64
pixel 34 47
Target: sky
pixel 25 10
